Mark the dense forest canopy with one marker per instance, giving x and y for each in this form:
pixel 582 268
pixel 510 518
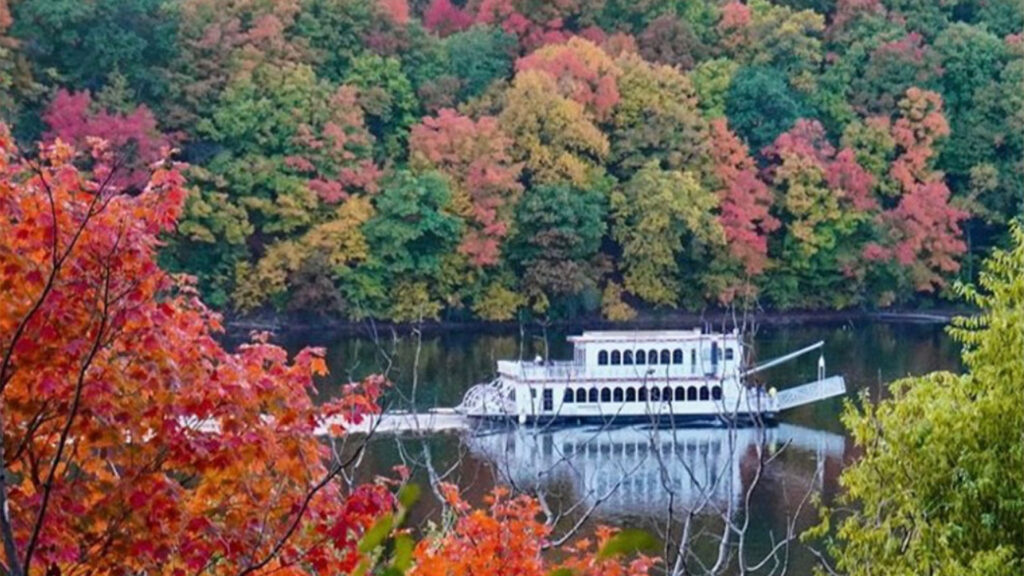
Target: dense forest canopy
pixel 409 159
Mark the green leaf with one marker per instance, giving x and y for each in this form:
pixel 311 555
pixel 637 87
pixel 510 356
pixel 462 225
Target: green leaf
pixel 626 543
pixel 376 534
pixel 409 495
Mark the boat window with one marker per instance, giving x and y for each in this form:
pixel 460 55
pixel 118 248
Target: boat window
pixel 691 393
pixel 641 358
pixel 567 397
pixel 714 352
pixel 627 357
pixel 616 357
pixel 652 357
pixel 606 395
pixel 581 395
pixel 704 393
pixel 593 395
pixel 666 393
pixel 680 394
pixel 665 358
pixel 602 358
pixel 677 356
pixel 630 395
pixel 716 392
pixel 617 395
pixel 655 394
pixel 642 395
pixel 693 356
pixel 728 353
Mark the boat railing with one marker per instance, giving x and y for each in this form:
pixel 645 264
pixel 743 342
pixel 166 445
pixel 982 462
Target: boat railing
pixel 544 370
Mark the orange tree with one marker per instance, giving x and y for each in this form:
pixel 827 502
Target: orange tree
pixel 133 442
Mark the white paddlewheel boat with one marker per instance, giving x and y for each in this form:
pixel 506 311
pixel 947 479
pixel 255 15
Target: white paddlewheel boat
pixel 643 376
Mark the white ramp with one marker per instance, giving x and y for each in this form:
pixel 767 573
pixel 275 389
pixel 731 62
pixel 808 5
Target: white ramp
pixel 810 392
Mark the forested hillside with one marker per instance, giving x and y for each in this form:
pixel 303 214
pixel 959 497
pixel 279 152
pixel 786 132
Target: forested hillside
pixel 407 159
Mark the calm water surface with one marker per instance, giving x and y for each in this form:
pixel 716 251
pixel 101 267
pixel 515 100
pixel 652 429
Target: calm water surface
pixel 636 476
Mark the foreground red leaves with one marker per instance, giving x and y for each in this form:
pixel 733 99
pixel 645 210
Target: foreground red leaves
pixel 133 442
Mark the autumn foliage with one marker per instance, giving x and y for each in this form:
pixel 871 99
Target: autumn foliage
pixel 845 154
pixel 132 440
pixel 505 539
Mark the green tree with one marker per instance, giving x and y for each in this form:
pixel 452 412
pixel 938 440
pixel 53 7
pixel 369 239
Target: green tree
pixel 386 96
pixel 938 488
pixel 558 234
pixel 335 31
pixel 761 105
pixel 479 56
pixel 79 45
pixel 655 215
pixel 711 80
pixel 408 238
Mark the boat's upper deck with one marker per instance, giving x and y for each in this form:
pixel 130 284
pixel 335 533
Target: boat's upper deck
pixel 636 355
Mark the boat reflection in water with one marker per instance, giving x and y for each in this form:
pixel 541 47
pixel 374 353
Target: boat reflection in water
pixel 640 471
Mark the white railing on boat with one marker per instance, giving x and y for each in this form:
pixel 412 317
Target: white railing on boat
pixel 550 370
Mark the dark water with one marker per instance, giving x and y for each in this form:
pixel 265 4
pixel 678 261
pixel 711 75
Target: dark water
pixel 655 479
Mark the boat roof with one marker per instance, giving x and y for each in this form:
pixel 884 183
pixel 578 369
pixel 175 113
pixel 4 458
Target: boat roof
pixel 641 335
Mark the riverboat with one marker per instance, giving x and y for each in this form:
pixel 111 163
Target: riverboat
pixel 675 376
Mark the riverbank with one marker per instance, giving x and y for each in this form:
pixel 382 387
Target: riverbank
pixel 718 319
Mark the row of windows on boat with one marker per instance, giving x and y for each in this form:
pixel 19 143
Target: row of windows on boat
pixel 630 357
pixel 666 394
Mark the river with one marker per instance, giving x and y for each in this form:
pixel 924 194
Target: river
pixel 665 481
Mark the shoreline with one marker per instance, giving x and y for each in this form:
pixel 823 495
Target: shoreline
pixel 283 324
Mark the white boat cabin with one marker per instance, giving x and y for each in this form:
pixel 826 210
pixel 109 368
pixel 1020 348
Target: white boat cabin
pixel 636 376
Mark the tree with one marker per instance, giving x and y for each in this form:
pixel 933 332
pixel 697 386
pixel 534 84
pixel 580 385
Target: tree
pixel 760 105
pixel 582 71
pixel 133 137
pixel 445 18
pixel 892 68
pixel 558 232
pixel 475 156
pixel 745 202
pixel 825 202
pixel 224 42
pixel 924 228
pixel 504 539
pixel 765 34
pixel 387 98
pixel 121 452
pixel 936 487
pixel 711 80
pixel 408 236
pixel 478 57
pixel 656 213
pixel 78 46
pixel 336 31
pixel 552 136
pixel 656 118
pixel 290 148
pixel 671 40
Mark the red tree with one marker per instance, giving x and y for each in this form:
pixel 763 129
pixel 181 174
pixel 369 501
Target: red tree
pixel 132 441
pixel 444 18
pixel 745 199
pixel 133 138
pixel 475 155
pixel 925 235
